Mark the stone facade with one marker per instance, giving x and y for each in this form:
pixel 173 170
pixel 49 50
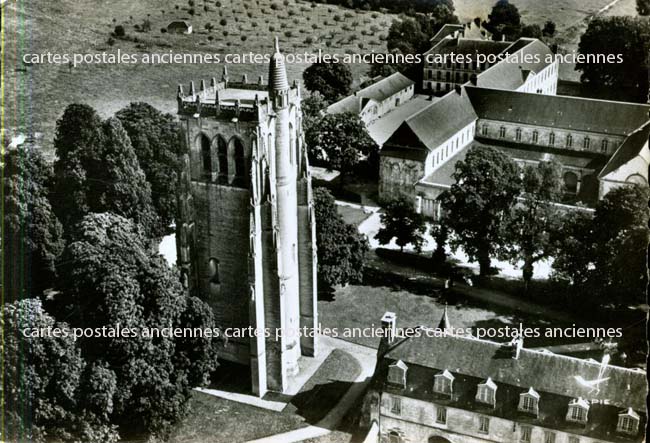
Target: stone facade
pixel 246 232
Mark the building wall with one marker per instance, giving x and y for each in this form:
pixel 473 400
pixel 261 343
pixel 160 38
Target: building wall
pixel 230 238
pixel 543 82
pixel 490 129
pixel 634 171
pixel 439 155
pixel 417 424
pixel 375 110
pixel 398 176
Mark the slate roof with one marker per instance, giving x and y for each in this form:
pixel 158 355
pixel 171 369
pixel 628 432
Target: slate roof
pixel 384 126
pixel 545 372
pixel 471 361
pixel 469 47
pixel 555 111
pixel 446 30
pixel 526 56
pixel 378 92
pixel 435 124
pixel 630 148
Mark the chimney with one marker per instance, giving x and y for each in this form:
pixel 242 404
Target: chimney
pixel 388 325
pixel 515 346
pixel 458 89
pixel 503 37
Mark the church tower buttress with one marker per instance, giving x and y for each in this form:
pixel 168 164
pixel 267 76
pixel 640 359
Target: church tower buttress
pixel 245 235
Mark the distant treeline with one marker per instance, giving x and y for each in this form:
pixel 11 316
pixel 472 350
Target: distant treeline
pixel 396 6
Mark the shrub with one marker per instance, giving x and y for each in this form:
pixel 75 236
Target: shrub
pixel 223 22
pixel 119 31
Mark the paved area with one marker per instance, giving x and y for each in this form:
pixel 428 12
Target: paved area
pixel 366 358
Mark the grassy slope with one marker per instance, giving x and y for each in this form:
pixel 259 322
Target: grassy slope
pixel 70 26
pixel 37 95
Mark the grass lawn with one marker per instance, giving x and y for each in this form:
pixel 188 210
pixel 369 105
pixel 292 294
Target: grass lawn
pixel 326 387
pixel 214 420
pixel 352 215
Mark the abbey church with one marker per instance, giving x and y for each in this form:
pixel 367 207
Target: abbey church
pixel 246 237
pixel 511 106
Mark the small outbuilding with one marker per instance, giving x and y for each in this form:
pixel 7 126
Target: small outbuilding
pixel 179 27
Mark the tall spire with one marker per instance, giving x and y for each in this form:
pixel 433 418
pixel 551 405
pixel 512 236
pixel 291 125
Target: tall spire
pixel 277 71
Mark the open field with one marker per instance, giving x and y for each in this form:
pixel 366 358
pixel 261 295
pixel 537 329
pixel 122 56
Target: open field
pixel 36 95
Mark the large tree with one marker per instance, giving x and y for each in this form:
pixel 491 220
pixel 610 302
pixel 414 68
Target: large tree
pixel 97 171
pixel 627 36
pixel 157 140
pixel 479 204
pixel 621 237
pixel 341 141
pixel 341 248
pixel 43 389
pixel 504 20
pixel 643 7
pixel 605 256
pixel 400 221
pixel 31 235
pixel 111 277
pixel 332 80
pixel 535 217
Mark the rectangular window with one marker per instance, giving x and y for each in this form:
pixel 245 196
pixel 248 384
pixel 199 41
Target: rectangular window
pixel 549 437
pixel 574 440
pixel 396 406
pixel 502 132
pixel 484 130
pixel 483 425
pixel 441 415
pixel 525 434
pixel 603 146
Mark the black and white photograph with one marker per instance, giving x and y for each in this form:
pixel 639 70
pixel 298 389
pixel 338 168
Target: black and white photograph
pixel 324 221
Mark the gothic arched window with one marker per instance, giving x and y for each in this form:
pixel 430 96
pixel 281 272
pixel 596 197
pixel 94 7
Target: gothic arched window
pixel 222 153
pixel 206 157
pixel 241 169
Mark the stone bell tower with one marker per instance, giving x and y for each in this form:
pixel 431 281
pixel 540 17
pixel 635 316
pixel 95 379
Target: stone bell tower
pixel 246 232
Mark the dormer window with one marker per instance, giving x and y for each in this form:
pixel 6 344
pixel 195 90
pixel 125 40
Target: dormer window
pixel 529 402
pixel 443 383
pixel 578 410
pixel 628 422
pixel 486 392
pixel 397 373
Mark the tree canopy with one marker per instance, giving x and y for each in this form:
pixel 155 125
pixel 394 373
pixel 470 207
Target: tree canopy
pixel 605 255
pixel 97 171
pixel 332 80
pixel 480 203
pixel 400 221
pixel 157 141
pixel 341 248
pixel 627 36
pixel 504 20
pixel 32 235
pixel 534 218
pixel 44 381
pixel 340 141
pixel 111 278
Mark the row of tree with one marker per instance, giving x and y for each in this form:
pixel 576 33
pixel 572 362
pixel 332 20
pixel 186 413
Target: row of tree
pixel 87 228
pixel 497 210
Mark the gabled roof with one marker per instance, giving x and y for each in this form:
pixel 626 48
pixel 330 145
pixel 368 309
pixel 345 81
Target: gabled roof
pixel 526 56
pixel 555 111
pixel 630 148
pixel 548 373
pixel 469 46
pixel 378 92
pixel 447 29
pixel 435 124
